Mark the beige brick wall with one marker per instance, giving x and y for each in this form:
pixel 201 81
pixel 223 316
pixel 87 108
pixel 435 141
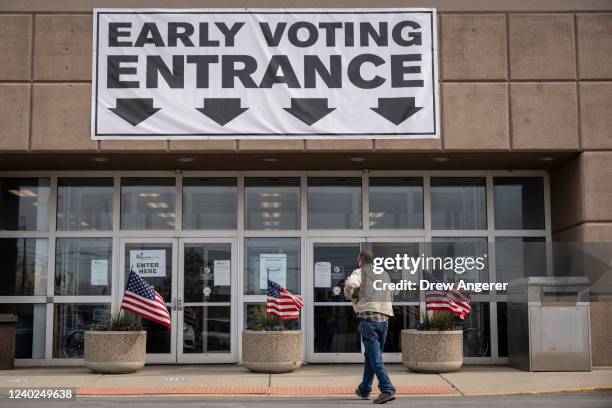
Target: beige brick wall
pixel 510 81
pixel 581 193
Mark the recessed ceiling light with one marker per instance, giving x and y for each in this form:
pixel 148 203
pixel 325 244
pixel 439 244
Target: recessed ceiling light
pixel 358 159
pixel 545 158
pixel 100 159
pixel 441 159
pixel 186 159
pixel 270 159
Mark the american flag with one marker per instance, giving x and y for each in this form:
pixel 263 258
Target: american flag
pixel 142 300
pixel 282 303
pixel 454 301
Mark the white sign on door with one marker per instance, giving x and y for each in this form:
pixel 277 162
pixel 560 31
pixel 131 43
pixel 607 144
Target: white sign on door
pixel 274 268
pixel 264 73
pixel 148 262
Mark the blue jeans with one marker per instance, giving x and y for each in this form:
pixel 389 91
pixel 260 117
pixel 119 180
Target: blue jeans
pixel 373 335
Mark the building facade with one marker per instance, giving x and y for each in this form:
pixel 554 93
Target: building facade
pixel 524 160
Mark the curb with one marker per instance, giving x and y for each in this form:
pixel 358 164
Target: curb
pixel 540 392
pixel 446 391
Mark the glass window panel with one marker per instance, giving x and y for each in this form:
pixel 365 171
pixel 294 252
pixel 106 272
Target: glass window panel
pixel 70 321
pixel 396 202
pixel 404 317
pixel 342 260
pixel 147 203
pixel 334 203
pixel 502 329
pixel 207 329
pixel 336 330
pixel 519 202
pixel 209 203
pixel 272 203
pixel 284 260
pixel 24 267
pixel 476 331
pixel 85 204
pixel 460 248
pixel 517 257
pixel 23 204
pixel 201 261
pixel 458 203
pixel 391 250
pixel 31 328
pixel 83 266
pixel 158 336
pixel 251 323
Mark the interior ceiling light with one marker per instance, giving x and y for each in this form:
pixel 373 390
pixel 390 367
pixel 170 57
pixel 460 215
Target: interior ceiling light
pixel 270 159
pixel 440 159
pixel 545 158
pixel 186 159
pixel 100 159
pixel 157 205
pixel 358 159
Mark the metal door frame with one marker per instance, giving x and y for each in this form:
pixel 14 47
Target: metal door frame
pixel 154 358
pixel 198 358
pixel 309 304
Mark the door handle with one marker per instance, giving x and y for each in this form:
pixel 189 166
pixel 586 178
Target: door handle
pixel 179 304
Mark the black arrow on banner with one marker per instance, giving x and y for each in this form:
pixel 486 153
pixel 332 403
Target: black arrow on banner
pixel 222 110
pixel 396 110
pixel 134 110
pixel 309 110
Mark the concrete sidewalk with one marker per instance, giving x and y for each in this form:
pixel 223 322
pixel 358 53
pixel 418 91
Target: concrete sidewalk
pixel 312 379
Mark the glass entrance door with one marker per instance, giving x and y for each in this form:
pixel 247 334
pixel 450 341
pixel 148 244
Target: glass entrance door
pixel 333 326
pixel 206 311
pixel 406 304
pixel 333 334
pixel 155 260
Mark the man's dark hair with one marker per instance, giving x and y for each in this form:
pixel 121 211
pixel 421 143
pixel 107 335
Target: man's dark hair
pixel 366 257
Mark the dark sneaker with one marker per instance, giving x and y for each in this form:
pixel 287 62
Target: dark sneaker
pixel 383 397
pixel 361 395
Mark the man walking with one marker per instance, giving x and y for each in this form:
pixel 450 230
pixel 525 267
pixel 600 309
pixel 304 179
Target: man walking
pixel 374 309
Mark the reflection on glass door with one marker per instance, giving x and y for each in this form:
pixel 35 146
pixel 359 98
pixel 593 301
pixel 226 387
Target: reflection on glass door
pixel 335 326
pixel 205 302
pixel 154 260
pixel 334 335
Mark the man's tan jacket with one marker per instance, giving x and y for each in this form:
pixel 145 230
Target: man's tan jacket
pixel 360 291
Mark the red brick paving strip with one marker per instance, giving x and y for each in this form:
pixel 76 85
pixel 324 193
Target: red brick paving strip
pixel 234 390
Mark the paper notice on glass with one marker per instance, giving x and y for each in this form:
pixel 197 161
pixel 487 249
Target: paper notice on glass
pixel 221 272
pixel 273 267
pixel 99 272
pixel 322 273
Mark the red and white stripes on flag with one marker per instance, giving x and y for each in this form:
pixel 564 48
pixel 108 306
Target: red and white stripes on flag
pixel 142 300
pixel 454 301
pixel 282 303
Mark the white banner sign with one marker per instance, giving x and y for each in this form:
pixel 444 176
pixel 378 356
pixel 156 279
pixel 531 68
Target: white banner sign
pixel 264 73
pixel 148 262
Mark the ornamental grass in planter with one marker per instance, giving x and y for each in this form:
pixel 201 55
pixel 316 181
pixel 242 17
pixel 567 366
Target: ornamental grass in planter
pixel 119 346
pixel 436 346
pixel 271 348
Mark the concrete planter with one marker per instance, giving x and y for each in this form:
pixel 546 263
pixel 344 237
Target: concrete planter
pixel 432 351
pixel 115 351
pixel 272 351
